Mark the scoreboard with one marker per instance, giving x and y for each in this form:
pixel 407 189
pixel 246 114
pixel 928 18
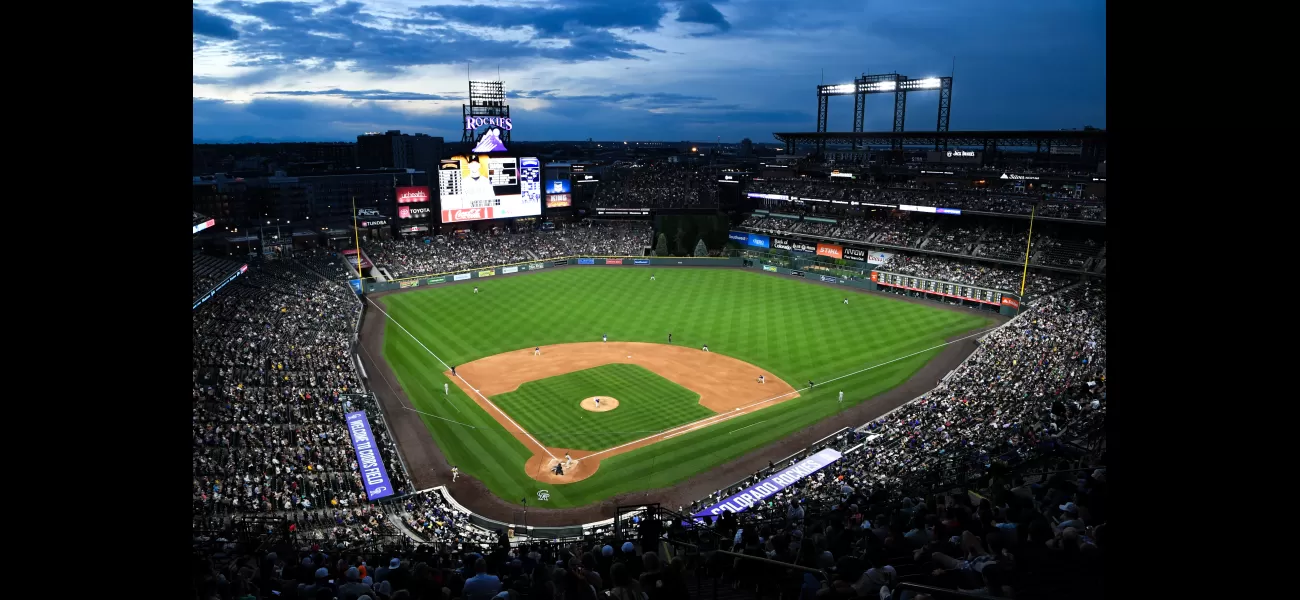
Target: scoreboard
pixel 946 288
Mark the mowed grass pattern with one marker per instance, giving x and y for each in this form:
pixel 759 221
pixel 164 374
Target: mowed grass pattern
pixel 791 328
pixel 551 410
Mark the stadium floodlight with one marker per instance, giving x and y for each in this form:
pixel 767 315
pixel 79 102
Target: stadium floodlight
pixel 931 83
pixel 843 88
pixel 881 86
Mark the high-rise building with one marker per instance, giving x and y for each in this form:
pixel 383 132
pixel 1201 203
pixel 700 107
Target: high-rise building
pixel 746 147
pixel 396 150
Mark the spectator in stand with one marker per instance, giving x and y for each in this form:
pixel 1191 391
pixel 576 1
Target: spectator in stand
pixel 481 586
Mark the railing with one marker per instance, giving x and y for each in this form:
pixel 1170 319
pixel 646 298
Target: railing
pixel 937 592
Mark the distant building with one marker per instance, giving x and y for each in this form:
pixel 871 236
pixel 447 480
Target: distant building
pixel 746 147
pixel 396 150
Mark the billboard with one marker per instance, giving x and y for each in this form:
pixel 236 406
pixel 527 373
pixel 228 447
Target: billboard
pixel 803 247
pixel 204 225
pixel 477 187
pixel 953 156
pixel 754 494
pixel 412 194
pixel 830 250
pixel 559 200
pixel 855 254
pixel 613 261
pixel 558 186
pixel 738 236
pixel 758 241
pixel 371 465
pixel 413 212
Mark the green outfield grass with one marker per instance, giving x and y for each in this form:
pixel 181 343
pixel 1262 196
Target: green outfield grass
pixel 551 410
pixel 793 329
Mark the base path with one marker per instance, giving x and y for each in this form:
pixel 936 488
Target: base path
pixel 726 386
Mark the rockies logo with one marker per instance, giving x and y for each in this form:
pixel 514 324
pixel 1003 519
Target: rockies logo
pixel 543 495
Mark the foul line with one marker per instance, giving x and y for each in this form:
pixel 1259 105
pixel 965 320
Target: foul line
pixel 747 426
pixel 399 397
pixel 720 417
pixel 462 379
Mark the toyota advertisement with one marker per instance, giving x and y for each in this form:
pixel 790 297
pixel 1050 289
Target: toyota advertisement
pixel 411 195
pixel 413 212
pixel 478 187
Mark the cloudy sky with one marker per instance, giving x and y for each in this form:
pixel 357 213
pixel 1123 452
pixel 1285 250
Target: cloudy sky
pixel 637 69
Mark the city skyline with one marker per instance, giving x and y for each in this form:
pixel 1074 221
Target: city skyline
pixel 646 70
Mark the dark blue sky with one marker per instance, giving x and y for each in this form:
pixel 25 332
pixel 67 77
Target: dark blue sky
pixel 637 69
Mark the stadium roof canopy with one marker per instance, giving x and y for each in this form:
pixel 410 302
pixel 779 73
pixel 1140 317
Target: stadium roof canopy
pixel 1019 139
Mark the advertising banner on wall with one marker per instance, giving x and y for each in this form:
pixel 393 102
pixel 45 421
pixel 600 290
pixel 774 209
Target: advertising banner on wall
pixel 460 277
pixel 414 212
pixel 769 268
pixel 640 261
pixel 409 283
pixel 506 270
pixel 371 465
pixel 780 244
pixel 855 254
pixel 754 494
pixel 877 257
pixel 613 261
pixel 487 273
pixel 803 247
pixel 1012 302
pixel 757 241
pixel 738 236
pixel 830 250
pixel 586 261
pixel 953 156
pixel 412 194
pixel 433 280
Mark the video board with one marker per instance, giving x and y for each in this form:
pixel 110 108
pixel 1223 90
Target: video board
pixel 478 187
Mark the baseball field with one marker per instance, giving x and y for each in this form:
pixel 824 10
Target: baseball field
pixel 530 362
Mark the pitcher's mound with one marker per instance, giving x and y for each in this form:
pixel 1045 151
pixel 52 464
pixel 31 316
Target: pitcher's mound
pixel 606 404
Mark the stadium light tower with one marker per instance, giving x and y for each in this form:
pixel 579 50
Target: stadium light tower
pixel 888 83
pixel 486 99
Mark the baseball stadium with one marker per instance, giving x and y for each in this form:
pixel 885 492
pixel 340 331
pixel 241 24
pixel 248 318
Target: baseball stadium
pixel 835 364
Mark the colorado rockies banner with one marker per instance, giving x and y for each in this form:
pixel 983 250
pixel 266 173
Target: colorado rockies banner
pixel 373 473
pixel 767 487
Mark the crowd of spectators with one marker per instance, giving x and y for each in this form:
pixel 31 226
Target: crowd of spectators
pixel 660 185
pixel 431 518
pixel 989 276
pixel 209 271
pixel 272 380
pixel 472 249
pixel 1004 199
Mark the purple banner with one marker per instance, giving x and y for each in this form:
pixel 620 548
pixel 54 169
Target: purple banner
pixel 373 474
pixel 767 487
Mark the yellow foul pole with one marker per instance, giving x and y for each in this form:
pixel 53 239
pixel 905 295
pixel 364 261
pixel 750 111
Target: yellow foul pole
pixel 1024 274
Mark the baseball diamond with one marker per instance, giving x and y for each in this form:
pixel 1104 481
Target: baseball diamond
pixel 513 414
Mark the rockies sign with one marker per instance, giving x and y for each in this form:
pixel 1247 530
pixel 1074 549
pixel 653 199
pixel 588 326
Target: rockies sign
pixel 543 495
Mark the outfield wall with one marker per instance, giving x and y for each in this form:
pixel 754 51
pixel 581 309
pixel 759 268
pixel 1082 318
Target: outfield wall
pixel 485 272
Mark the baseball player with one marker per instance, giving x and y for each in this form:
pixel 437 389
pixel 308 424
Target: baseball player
pixel 762 379
pixel 446 389
pixel 604 337
pixel 597 402
pixel 453 370
pixel 841 396
pixel 455 472
pixel 810 383
pixel 537 351
pixel 476 289
pixel 706 347
pixel 846 300
pixel 568 460
pixel 670 338
pixel 652 277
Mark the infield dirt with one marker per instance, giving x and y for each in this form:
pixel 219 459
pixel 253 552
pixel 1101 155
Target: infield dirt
pixel 727 386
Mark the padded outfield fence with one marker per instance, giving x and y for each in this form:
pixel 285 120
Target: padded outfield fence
pixel 858 275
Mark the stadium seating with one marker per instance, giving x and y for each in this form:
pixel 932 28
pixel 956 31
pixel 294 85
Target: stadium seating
pixel 210 271
pixel 661 185
pixel 991 482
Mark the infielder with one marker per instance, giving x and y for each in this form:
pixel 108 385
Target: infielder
pixel 604 337
pixel 537 351
pixel 841 396
pixel 476 289
pixel 455 472
pixel 810 383
pixel 762 379
pixel 706 347
pixel 652 277
pixel 446 389
pixel 670 338
pixel 846 300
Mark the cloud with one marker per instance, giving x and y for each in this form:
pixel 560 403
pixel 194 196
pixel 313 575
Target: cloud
pixel 350 36
pixel 698 11
pixel 207 24
pixel 361 94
